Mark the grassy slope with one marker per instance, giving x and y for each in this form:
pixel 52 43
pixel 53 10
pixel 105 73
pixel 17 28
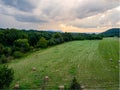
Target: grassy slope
pixel 87 60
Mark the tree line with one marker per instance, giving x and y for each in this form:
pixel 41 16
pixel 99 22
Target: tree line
pixel 14 43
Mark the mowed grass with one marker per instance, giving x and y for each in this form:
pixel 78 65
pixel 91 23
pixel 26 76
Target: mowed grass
pixel 89 61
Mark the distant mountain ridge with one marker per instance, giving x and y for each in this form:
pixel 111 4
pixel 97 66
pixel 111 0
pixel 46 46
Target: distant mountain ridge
pixel 111 32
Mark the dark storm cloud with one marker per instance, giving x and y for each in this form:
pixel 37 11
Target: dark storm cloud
pixel 23 5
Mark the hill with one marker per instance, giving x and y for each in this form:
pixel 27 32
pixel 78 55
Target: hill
pixel 94 64
pixel 111 32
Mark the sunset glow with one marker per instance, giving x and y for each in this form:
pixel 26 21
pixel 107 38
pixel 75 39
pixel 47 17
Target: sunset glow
pixel 67 15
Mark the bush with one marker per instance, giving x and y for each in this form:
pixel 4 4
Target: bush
pixel 58 38
pixel 52 42
pixel 75 85
pixel 42 43
pixel 18 54
pixel 22 45
pixel 3 59
pixel 7 51
pixel 6 76
pixel 1 48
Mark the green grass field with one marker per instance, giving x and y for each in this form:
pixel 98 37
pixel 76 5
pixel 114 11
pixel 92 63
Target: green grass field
pixel 89 61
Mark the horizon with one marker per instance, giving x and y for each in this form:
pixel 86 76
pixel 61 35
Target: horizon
pixel 59 30
pixel 82 16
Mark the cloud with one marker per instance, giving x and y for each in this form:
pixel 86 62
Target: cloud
pixel 29 18
pixel 92 7
pixel 59 10
pixel 109 18
pixel 23 5
pixel 21 16
pixel 73 13
pixel 10 22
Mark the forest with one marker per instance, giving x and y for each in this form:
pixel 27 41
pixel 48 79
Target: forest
pixel 15 43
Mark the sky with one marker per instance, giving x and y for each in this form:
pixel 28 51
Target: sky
pixel 62 15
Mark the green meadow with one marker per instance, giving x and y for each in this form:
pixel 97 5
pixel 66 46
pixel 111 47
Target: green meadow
pixel 95 64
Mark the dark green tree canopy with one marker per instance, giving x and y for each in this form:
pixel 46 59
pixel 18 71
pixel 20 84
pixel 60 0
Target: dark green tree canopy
pixel 42 43
pixel 1 48
pixel 22 45
pixel 6 76
pixel 14 41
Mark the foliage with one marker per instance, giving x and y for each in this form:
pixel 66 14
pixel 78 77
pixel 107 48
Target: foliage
pixel 52 42
pixel 1 48
pixel 7 51
pixel 8 36
pixel 6 76
pixel 33 38
pixel 58 38
pixel 75 85
pixel 114 32
pixel 67 36
pixel 22 45
pixel 17 54
pixel 3 59
pixel 12 40
pixel 42 43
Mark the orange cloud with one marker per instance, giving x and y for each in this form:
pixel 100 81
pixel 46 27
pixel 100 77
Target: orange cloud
pixel 66 28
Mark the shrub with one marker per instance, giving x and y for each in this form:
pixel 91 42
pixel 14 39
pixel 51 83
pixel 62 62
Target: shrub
pixel 22 45
pixel 1 48
pixel 6 76
pixel 18 54
pixel 3 59
pixel 42 43
pixel 58 38
pixel 75 85
pixel 7 51
pixel 52 42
